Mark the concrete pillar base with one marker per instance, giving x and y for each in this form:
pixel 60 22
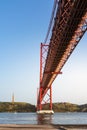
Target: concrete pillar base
pixel 45 112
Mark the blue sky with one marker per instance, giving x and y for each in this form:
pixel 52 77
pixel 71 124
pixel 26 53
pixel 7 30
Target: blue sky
pixel 23 26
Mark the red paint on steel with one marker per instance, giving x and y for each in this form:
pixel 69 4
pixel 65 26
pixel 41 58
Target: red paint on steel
pixel 69 26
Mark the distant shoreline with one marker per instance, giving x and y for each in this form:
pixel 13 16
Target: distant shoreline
pixel 27 107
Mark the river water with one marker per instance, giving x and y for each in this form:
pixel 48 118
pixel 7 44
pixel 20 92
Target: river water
pixel 33 118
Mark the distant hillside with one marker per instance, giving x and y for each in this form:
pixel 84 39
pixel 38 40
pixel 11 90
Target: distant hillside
pixel 26 107
pixel 67 107
pixel 83 108
pixel 16 107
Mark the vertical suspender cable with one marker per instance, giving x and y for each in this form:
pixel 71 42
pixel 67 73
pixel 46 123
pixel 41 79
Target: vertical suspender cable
pixel 51 20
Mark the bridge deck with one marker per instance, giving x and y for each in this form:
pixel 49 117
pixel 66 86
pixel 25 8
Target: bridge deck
pixel 69 27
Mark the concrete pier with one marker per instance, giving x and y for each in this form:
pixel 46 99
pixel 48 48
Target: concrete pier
pixel 45 112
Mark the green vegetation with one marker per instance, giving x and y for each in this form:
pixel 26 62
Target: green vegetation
pixel 26 107
pixel 16 107
pixel 67 107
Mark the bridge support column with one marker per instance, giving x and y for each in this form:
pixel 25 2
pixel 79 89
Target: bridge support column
pixel 40 107
pixel 41 99
pixel 50 97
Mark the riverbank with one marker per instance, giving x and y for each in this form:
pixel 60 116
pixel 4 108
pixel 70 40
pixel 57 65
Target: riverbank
pixel 42 127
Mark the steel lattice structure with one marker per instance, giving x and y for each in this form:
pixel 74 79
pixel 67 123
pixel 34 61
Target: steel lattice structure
pixel 69 27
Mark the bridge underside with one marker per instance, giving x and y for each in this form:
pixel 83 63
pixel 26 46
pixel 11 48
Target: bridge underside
pixel 69 26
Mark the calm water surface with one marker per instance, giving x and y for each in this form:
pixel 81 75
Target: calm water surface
pixel 33 118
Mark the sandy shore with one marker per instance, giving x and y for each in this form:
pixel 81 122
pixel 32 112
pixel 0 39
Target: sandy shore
pixel 42 127
pixel 71 127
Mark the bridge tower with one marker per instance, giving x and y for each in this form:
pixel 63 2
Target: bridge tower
pixel 47 98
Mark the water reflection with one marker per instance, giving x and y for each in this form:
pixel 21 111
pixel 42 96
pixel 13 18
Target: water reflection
pixel 44 119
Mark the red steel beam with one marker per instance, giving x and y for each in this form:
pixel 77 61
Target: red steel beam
pixel 69 27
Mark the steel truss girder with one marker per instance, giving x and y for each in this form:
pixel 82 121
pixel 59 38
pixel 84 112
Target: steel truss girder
pixel 69 27
pixel 70 24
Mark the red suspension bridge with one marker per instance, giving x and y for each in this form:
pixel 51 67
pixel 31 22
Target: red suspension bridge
pixel 67 26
